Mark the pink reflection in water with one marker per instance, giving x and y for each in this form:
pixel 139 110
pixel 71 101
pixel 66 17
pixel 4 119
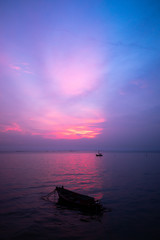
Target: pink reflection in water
pixel 36 174
pixel 77 172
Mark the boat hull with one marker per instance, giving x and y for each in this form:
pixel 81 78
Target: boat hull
pixel 73 199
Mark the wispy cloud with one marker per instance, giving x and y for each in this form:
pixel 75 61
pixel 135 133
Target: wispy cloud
pixel 11 127
pixel 23 67
pixel 15 67
pixel 29 72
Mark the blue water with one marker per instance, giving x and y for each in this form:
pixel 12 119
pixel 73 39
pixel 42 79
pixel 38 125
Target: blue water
pixel 127 182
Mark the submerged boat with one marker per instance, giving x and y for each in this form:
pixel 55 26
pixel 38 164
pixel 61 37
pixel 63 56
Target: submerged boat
pixel 78 200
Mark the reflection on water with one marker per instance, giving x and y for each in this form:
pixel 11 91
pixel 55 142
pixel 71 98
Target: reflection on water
pixel 76 171
pixel 126 182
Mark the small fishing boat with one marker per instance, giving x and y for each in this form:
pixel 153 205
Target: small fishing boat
pixel 99 154
pixel 78 200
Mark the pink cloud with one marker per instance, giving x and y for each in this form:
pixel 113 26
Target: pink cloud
pixel 15 67
pixel 25 63
pixel 22 67
pixel 55 125
pixel 12 127
pixel 26 71
pixel 77 72
pixel 73 132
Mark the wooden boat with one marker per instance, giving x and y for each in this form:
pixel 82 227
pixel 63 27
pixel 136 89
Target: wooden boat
pixel 78 200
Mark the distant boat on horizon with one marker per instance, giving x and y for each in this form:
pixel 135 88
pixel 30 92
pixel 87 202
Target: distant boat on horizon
pixel 99 154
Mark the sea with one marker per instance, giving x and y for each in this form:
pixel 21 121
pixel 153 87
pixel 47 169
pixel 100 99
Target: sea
pixel 128 183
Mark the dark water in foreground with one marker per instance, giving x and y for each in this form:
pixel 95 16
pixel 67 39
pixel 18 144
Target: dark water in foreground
pixel 129 183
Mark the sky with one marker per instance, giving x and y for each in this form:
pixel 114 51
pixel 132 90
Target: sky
pixel 79 75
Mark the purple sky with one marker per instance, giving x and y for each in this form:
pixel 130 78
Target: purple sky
pixel 79 74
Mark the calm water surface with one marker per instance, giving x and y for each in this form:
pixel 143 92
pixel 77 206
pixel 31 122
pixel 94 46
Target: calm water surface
pixel 129 183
